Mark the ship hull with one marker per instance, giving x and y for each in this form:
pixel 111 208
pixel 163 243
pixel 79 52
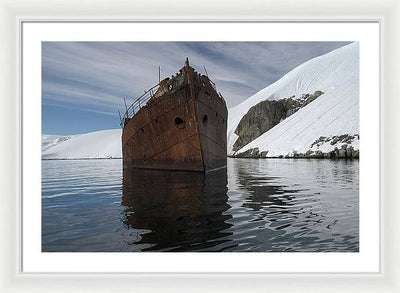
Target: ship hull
pixel 182 129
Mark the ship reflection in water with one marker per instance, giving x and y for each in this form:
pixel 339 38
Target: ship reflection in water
pixel 253 205
pixel 178 211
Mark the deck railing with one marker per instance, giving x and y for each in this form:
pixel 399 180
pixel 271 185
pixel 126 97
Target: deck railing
pixel 147 95
pixel 138 104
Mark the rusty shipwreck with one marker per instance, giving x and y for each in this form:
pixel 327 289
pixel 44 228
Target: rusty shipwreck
pixel 179 124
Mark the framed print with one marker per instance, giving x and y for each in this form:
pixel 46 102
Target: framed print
pixel 167 204
pixel 204 149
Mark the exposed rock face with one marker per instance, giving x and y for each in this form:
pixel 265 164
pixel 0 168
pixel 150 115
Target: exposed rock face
pixel 333 147
pixel 259 119
pixel 333 140
pixel 263 116
pixel 252 153
pixel 341 144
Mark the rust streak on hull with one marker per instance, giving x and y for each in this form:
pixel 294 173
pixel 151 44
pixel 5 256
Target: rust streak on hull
pixel 181 127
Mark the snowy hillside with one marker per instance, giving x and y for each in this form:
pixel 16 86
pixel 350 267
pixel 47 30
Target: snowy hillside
pixel 49 141
pixel 327 122
pixel 99 144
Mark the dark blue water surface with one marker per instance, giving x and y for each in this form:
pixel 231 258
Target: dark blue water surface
pixel 266 205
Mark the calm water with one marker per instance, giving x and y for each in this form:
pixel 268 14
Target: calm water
pixel 274 205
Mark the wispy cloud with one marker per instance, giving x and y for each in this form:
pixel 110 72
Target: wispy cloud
pixel 98 75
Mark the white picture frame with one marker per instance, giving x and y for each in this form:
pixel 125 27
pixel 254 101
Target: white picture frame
pixel 386 13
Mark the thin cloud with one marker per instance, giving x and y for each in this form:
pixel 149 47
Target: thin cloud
pixel 98 75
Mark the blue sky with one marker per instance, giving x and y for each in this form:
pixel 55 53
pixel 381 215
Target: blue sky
pixel 84 83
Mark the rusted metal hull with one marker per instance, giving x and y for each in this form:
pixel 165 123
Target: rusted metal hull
pixel 182 127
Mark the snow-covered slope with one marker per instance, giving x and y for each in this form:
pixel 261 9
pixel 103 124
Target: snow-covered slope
pixel 49 141
pixel 332 114
pixel 99 144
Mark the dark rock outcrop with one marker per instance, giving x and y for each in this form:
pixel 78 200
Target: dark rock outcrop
pixel 252 153
pixel 259 119
pixel 345 139
pixel 341 149
pixel 342 146
pixel 263 116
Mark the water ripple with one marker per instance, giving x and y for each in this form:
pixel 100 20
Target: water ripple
pixel 257 205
